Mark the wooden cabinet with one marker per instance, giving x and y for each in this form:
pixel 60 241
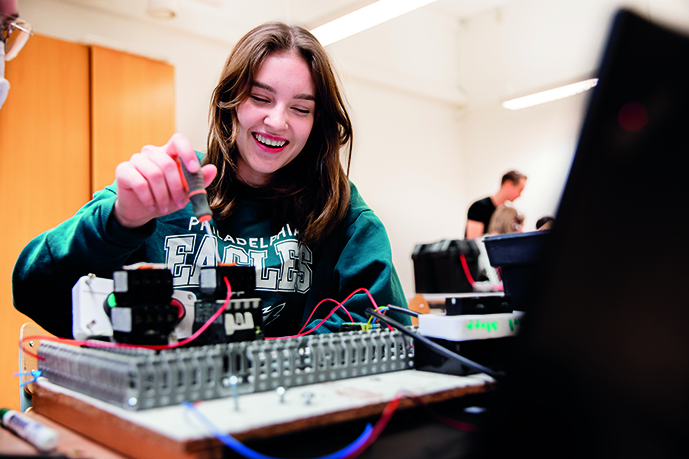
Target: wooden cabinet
pixel 73 113
pixel 132 105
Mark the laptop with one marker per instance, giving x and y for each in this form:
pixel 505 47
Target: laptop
pixel 603 358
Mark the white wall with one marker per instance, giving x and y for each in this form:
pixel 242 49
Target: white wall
pixel 523 47
pixel 407 166
pixel 419 160
pixel 407 161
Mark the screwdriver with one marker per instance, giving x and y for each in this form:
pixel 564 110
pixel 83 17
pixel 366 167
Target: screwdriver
pixel 193 185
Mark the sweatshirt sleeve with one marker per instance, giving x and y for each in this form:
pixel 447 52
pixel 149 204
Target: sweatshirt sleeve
pixel 365 261
pixel 50 264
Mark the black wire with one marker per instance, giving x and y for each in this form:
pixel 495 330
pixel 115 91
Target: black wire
pixel 403 310
pixel 435 346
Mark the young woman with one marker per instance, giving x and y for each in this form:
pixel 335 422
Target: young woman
pixel 280 197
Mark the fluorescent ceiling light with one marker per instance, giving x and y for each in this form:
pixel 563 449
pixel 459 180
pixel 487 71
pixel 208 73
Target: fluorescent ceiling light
pixel 365 18
pixel 550 95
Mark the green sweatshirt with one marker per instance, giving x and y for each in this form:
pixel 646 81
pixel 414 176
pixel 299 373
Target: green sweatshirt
pixel 291 278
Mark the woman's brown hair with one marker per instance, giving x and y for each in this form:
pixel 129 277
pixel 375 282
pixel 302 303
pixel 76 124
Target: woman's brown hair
pixel 311 193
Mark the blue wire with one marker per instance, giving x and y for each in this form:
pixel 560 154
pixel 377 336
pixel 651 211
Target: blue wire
pixel 34 373
pixel 247 452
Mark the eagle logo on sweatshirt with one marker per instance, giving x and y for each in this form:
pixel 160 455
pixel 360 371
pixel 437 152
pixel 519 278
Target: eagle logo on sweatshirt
pixel 272 312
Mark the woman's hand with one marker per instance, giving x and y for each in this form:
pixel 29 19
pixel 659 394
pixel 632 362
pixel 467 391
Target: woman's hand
pixel 149 184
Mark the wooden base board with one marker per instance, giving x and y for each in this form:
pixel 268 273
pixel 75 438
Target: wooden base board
pixel 172 432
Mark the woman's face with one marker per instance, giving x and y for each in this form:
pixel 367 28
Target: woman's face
pixel 275 121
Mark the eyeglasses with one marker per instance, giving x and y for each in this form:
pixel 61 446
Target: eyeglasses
pixel 14 33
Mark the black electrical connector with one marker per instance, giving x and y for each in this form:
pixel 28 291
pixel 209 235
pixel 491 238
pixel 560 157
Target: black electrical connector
pixel 140 307
pixel 488 304
pixel 242 319
pixel 242 281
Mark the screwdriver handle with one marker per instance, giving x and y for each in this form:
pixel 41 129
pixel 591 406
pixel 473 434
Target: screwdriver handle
pixel 193 185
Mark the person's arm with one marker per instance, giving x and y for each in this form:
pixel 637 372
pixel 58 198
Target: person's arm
pixel 474 229
pixel 50 264
pixel 103 234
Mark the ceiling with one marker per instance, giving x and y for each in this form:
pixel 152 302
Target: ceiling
pixel 228 20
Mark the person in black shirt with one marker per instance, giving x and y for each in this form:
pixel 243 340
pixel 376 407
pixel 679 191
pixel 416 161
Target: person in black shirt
pixel 479 214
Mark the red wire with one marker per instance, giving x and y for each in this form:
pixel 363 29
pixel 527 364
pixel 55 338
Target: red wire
pixel 370 297
pixel 309 331
pixel 373 301
pixel 378 428
pixel 36 356
pixel 467 273
pixel 445 420
pixel 207 324
pixel 390 408
pixel 156 347
pixel 459 425
pixel 339 305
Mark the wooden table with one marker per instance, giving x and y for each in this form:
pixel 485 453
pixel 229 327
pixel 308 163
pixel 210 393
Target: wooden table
pixel 173 432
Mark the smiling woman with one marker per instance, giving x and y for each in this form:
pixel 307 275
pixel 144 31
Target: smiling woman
pixel 281 201
pixel 278 85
